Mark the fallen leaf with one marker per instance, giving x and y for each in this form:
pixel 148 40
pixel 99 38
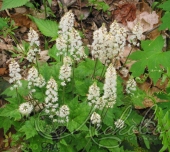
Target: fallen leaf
pixel 3 71
pixel 69 2
pixel 124 12
pixel 144 7
pixel 23 21
pixel 20 10
pixel 82 14
pixel 146 20
pixel 3 57
pixel 6 46
pixel 44 56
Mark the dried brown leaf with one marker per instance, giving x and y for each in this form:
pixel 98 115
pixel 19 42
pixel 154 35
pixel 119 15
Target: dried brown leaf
pixel 23 21
pixel 3 71
pixel 6 46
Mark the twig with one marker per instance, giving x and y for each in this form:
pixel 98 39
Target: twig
pixel 149 31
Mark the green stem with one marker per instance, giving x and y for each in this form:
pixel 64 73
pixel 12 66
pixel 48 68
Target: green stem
pixel 17 96
pixel 103 110
pixel 73 82
pixel 63 95
pixel 37 65
pixel 96 60
pixel 15 41
pixel 45 7
pixel 105 114
pixel 102 73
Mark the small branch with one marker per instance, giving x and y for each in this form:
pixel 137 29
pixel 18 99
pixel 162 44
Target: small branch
pixel 149 31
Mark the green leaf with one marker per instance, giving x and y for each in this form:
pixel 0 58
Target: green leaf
pixel 153 45
pixel 3 23
pixel 79 114
pixel 29 128
pixel 165 6
pixel 5 123
pixel 152 58
pixel 146 141
pixel 165 21
pixel 82 86
pixel 138 68
pixel 109 142
pixel 52 53
pixel 47 27
pixel 11 110
pixel 6 4
pixel 108 120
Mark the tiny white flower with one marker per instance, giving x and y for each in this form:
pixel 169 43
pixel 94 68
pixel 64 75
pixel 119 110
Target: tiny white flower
pixel 14 74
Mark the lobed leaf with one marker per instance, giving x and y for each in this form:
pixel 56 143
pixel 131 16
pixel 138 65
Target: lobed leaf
pixel 152 58
pixel 165 6
pixel 29 128
pixel 165 21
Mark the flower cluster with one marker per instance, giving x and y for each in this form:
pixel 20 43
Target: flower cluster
pixel 95 119
pixel 109 97
pixel 98 41
pixel 65 71
pixel 93 94
pixel 137 34
pixel 25 108
pixel 14 73
pixel 34 79
pixel 119 123
pixel 33 38
pixel 62 114
pixel 51 99
pixel 66 23
pixel 110 86
pixel 31 55
pixel 130 86
pixel 69 41
pixel 108 45
pixel 120 34
pixel 14 70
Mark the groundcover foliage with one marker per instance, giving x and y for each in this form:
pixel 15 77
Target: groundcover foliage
pixel 78 100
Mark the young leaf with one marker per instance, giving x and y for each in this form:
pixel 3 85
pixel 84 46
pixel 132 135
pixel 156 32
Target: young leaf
pixel 6 4
pixel 47 27
pixel 3 23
